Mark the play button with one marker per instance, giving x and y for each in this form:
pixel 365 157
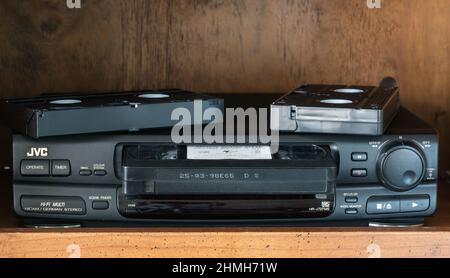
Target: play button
pixel 414 204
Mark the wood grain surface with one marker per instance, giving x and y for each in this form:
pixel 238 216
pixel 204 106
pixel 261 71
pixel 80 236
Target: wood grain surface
pixel 226 244
pixel 229 46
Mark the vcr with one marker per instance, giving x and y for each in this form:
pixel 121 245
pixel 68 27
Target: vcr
pixel 312 178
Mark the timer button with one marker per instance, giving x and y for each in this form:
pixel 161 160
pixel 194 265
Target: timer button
pixel 60 168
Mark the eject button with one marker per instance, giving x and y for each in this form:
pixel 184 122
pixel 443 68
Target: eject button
pixel 383 205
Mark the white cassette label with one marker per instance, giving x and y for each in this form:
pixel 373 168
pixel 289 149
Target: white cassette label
pixel 229 152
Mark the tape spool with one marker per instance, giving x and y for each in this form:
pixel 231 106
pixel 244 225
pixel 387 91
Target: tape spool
pixel 66 102
pixel 338 101
pixel 349 91
pixel 154 96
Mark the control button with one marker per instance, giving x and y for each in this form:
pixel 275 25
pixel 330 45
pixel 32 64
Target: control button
pixel 379 205
pixel 100 173
pixel 402 168
pixel 351 199
pixel 61 168
pixel 35 168
pixel 351 211
pixel 53 205
pixel 359 173
pixel 100 205
pixel 85 173
pixel 359 156
pixel 414 204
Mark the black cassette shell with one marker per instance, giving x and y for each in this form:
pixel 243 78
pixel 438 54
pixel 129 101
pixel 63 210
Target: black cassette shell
pixel 336 109
pixel 67 114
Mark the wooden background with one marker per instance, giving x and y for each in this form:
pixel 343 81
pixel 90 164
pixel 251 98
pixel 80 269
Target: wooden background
pixel 229 46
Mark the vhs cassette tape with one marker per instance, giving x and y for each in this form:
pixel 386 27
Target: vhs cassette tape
pixel 67 114
pixel 162 181
pixel 337 109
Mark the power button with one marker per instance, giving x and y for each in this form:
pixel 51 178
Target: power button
pixel 35 168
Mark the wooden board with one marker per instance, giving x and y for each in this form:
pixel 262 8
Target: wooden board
pixel 282 243
pixel 229 46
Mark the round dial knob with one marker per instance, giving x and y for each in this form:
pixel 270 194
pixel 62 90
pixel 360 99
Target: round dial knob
pixel 401 167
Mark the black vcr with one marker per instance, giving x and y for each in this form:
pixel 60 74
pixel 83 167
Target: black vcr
pixel 146 178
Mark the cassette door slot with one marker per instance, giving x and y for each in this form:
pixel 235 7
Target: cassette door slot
pixel 210 208
pixel 159 181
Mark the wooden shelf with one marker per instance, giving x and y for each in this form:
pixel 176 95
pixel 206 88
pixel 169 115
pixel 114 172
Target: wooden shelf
pixel 432 240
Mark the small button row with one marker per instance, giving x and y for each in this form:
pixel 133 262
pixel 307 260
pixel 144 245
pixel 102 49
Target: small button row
pixel 351 200
pixel 41 167
pixel 384 205
pixel 55 168
pixel 359 157
pixel 87 173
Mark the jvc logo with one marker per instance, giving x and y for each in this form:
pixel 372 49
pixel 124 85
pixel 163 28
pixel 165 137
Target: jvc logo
pixel 74 4
pixel 43 152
